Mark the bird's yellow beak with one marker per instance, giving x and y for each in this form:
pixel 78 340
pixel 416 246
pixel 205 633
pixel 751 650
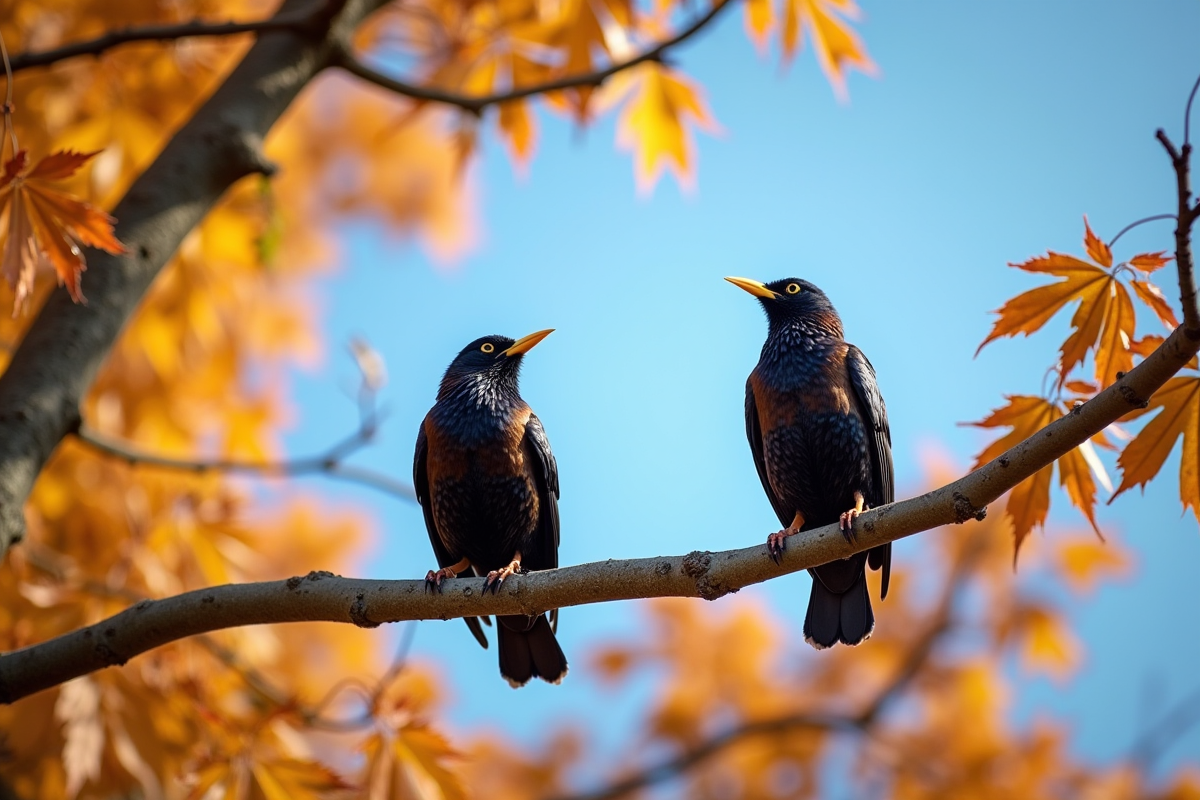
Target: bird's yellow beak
pixel 527 343
pixel 756 288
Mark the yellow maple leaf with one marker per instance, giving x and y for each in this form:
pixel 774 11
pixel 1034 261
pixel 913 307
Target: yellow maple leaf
pixel 1047 645
pixel 1142 458
pixel 1083 561
pixel 836 45
pixel 45 222
pixel 656 121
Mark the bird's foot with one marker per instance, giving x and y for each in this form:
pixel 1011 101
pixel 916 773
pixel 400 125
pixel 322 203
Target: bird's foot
pixel 433 580
pixel 777 542
pixel 846 522
pixel 497 576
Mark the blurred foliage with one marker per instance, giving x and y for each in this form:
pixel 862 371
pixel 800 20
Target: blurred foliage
pixel 200 371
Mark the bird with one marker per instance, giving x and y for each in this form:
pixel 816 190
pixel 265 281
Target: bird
pixel 487 483
pixel 819 434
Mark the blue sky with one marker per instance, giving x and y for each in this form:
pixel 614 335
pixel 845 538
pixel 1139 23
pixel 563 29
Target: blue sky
pixel 990 131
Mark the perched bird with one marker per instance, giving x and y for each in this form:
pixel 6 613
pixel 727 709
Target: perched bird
pixel 819 434
pixel 488 486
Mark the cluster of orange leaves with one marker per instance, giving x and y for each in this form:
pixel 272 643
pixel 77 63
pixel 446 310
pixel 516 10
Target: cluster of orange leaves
pixel 943 733
pixel 1104 327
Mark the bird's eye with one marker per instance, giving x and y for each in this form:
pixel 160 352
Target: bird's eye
pixel 487 347
pixel 793 288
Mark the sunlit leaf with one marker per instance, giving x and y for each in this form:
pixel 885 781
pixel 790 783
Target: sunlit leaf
pixel 656 125
pixel 1029 502
pixel 43 221
pixel 836 45
pixel 1179 401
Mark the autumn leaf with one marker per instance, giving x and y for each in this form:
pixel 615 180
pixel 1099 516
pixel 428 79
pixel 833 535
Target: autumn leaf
pixel 517 125
pixel 1179 401
pixel 1029 501
pixel 1047 644
pixel 1152 296
pixel 1083 562
pixel 656 123
pixel 411 762
pixel 1105 319
pixel 46 223
pixel 78 708
pixel 836 45
pixel 760 19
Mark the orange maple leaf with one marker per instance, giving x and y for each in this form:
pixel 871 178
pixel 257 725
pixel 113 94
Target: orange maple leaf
pixel 1105 319
pixel 1029 501
pixel 1142 458
pixel 44 223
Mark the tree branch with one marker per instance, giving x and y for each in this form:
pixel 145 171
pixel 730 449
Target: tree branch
pixel 861 722
pixel 348 61
pixel 329 462
pixel 1184 217
pixel 56 363
pixel 160 33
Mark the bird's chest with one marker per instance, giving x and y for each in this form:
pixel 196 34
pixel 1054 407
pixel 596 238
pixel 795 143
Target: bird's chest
pixel 482 492
pixel 815 444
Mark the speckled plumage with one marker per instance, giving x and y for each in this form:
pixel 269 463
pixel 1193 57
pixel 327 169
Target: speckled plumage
pixel 488 486
pixel 818 431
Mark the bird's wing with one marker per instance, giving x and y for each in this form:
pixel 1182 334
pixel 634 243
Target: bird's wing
pixel 444 559
pixel 874 414
pixel 754 436
pixel 545 473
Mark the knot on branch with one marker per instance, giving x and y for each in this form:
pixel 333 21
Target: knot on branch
pixel 293 583
pixel 358 612
pixel 964 509
pixel 1133 398
pixel 696 566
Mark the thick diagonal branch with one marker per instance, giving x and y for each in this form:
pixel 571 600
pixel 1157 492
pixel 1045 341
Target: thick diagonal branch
pixel 476 104
pixel 57 361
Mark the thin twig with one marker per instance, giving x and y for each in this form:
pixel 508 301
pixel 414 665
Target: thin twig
pixel 348 61
pixel 1141 221
pixel 161 33
pixel 9 132
pixel 914 660
pixel 329 462
pixel 1184 217
pixel 1152 743
pixel 1187 113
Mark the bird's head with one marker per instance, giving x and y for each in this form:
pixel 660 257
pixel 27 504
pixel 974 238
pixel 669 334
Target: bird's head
pixel 793 300
pixel 492 361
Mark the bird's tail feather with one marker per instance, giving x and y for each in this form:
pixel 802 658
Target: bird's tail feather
pixel 838 617
pixel 528 649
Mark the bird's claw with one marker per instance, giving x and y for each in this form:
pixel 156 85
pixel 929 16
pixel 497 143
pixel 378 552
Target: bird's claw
pixel 496 577
pixel 433 580
pixel 776 543
pixel 846 524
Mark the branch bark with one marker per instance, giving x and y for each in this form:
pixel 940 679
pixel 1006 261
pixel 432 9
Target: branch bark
pixel 348 61
pixel 57 361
